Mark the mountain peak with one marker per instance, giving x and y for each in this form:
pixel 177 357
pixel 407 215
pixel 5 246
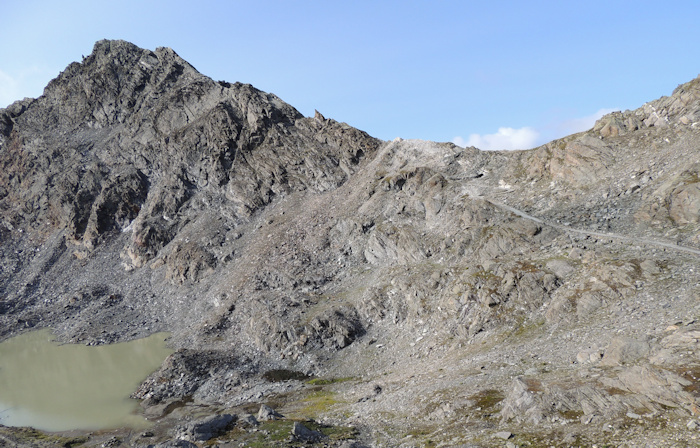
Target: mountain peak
pixel 155 127
pixel 115 81
pixel 127 53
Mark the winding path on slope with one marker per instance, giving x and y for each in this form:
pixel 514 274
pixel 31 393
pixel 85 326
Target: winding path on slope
pixel 568 229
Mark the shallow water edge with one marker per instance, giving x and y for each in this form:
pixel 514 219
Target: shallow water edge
pixel 59 387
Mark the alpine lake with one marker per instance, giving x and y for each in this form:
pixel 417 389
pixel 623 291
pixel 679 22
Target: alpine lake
pixel 59 387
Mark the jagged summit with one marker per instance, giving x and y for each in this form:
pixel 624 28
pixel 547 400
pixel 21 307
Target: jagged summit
pixel 122 83
pixel 438 294
pixel 153 115
pixel 682 108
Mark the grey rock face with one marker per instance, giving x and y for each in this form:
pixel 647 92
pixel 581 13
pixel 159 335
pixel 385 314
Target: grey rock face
pixel 624 350
pixel 205 429
pixel 267 413
pixel 145 129
pixel 186 372
pixel 304 434
pixel 135 148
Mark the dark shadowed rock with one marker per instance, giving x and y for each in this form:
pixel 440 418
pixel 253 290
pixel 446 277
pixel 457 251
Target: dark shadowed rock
pixel 206 428
pixel 176 444
pixel 303 434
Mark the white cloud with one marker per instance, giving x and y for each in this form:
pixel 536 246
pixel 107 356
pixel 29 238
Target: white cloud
pixel 528 137
pixel 25 82
pixel 505 138
pixel 574 125
pixel 9 89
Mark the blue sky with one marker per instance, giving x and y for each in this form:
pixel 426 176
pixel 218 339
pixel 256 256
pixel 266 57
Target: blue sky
pixel 498 74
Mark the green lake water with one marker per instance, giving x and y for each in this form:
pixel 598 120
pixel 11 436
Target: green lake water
pixel 57 387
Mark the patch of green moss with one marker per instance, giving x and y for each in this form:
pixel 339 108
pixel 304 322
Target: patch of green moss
pixel 277 433
pixel 326 381
pixel 278 375
pixel 318 402
pixel 692 374
pixel 334 433
pixel 487 399
pixel 524 266
pixel 271 433
pixel 533 385
pixel 615 391
pixel 34 435
pixel 524 329
pixel 423 435
pixel 571 414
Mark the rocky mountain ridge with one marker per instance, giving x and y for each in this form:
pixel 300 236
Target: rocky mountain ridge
pixel 432 295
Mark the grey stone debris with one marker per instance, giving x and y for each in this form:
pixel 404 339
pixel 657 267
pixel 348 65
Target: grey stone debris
pixel 175 444
pixel 205 429
pixel 249 420
pixel 623 351
pixel 267 413
pixel 505 435
pixel 304 434
pixel 112 442
pixel 352 444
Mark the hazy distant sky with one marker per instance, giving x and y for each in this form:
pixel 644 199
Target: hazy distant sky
pixel 495 74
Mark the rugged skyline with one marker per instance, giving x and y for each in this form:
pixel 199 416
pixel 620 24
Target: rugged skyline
pixel 395 69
